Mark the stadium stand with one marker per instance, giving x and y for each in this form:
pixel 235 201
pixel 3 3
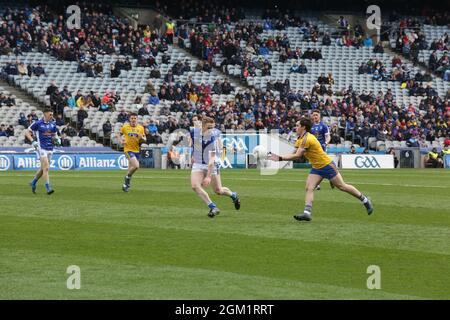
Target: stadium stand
pixel 337 59
pixel 129 83
pixel 369 98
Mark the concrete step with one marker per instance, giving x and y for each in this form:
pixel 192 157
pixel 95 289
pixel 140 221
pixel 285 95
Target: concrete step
pixel 21 94
pixel 236 83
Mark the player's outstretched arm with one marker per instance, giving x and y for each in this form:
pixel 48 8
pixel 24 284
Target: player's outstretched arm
pixel 287 157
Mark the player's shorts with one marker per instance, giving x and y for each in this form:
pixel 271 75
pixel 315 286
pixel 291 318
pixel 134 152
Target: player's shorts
pixel 44 153
pixel 328 172
pixel 198 167
pixel 131 154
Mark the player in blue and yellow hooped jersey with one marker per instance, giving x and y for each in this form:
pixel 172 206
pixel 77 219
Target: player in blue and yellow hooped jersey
pixel 322 167
pixel 131 135
pixel 206 151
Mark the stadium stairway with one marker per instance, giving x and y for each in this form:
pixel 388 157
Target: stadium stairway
pixel 236 83
pixel 421 66
pixel 22 94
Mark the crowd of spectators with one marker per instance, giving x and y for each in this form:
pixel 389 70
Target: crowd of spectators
pixel 214 11
pixel 400 72
pixel 7 100
pixel 6 131
pixel 253 58
pixel 100 32
pixel 360 115
pixel 22 69
pixel 410 39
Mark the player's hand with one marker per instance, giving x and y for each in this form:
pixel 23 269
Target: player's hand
pixel 273 157
pixel 35 144
pixel 206 182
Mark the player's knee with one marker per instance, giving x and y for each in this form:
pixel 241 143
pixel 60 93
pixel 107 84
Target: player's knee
pixel 197 188
pixel 341 186
pixel 218 191
pixel 309 188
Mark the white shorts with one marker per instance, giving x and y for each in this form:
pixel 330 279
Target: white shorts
pixel 198 167
pixel 44 153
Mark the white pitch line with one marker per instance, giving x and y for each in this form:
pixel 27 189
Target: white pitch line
pixel 242 179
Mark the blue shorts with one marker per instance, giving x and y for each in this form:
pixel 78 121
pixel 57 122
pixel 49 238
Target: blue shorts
pixel 131 154
pixel 328 172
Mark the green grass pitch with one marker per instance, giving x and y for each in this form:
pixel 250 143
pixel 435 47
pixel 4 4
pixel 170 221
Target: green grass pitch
pixel 156 242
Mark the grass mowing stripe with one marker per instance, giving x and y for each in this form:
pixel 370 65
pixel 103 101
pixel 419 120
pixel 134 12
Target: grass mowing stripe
pixel 224 176
pixel 104 280
pixel 161 225
pixel 347 232
pixel 122 244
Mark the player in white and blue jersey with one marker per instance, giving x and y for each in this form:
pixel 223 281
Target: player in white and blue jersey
pixel 322 133
pixel 45 137
pixel 206 152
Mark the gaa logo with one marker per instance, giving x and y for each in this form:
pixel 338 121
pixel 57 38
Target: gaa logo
pixel 366 162
pixel 123 162
pixel 235 145
pixel 5 163
pixel 225 163
pixel 65 163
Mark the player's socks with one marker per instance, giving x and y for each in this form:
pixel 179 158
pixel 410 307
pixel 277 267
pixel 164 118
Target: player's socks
pixel 236 200
pixel 48 188
pixel 367 203
pixel 308 209
pixel 363 199
pixel 212 205
pixel 127 180
pixel 33 184
pixel 214 211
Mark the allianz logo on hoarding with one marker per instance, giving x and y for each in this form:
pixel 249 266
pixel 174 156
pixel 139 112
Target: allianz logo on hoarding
pixel 366 162
pixel 28 162
pixel 123 162
pixel 4 163
pixel 65 162
pixel 93 162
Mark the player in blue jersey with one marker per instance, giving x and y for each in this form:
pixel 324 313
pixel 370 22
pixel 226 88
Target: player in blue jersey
pixel 45 137
pixel 206 152
pixel 322 133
